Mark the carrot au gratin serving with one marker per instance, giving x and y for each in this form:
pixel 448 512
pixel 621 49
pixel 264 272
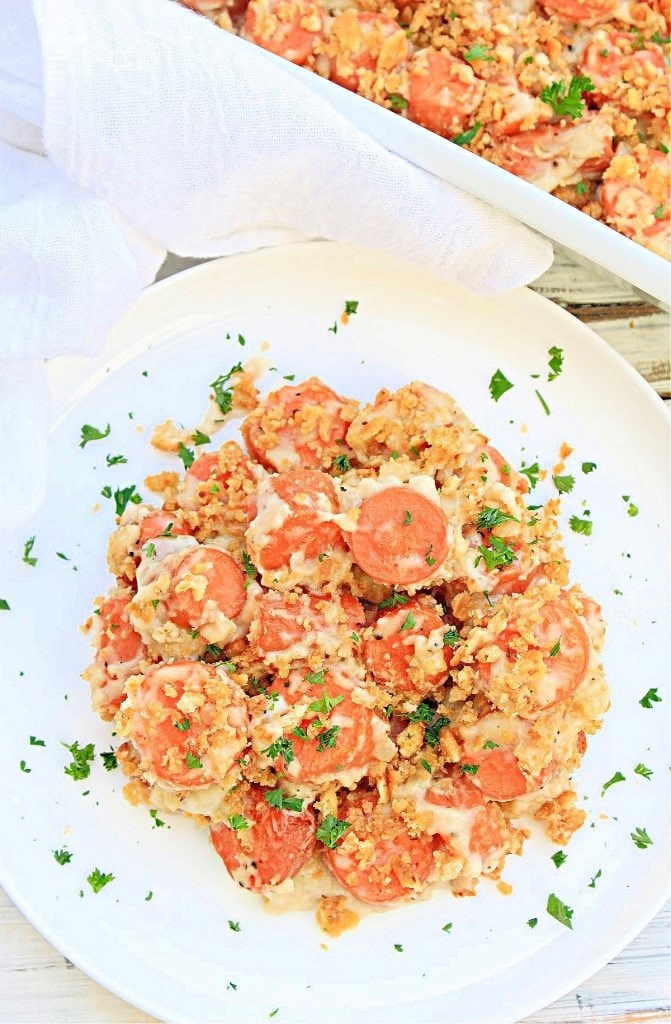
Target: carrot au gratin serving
pixel 350 649
pixel 571 95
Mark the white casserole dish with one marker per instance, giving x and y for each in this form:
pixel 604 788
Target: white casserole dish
pixel 550 216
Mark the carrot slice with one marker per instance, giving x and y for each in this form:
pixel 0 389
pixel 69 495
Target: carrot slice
pixel 288 29
pixel 486 824
pixel 400 864
pixel 443 92
pixel 389 652
pixel 119 642
pixel 274 847
pixel 158 521
pixel 187 722
pixel 279 623
pixel 224 584
pixel 397 530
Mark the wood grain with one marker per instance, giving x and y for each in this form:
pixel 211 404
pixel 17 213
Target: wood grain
pixel 37 984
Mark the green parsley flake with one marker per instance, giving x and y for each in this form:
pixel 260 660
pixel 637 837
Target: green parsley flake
pixel 334 328
pixel 89 433
pixel 109 760
pixel 234 926
pixel 651 697
pixel 532 922
pixel 451 638
pixel 4 607
pixel 617 777
pixel 632 510
pixel 238 822
pixel 556 361
pixel 27 549
pixel 199 438
pixel 192 761
pixel 183 725
pixel 393 601
pixel 546 407
pixel 432 732
pixel 497 555
pixel 398 947
pixel 556 648
pixel 281 748
pixel 559 910
pixel 644 772
pixel 568 102
pixel 425 765
pixel 97 880
pixel 153 814
pixel 80 766
pixel 558 858
pixel 588 467
pixel 447 928
pixel 62 856
pixel 564 484
pixel 489 745
pixel 115 460
pixel 470 769
pixel 498 385
pixel 351 307
pixel 331 830
pixel 122 496
pixel 151 549
pixel 398 102
pixel 34 742
pixel 592 884
pixel 186 455
pixel 149 896
pixel 222 389
pixel 355 638
pixel 532 474
pixel 465 138
pixel 409 622
pixel 583 526
pixel 24 767
pixel 407 518
pixel 277 799
pixel 641 838
pixel 341 463
pixel 291 377
pixel 580 190
pixel 327 738
pixel 488 518
pixel 325 704
pixel 478 52
pixel 248 566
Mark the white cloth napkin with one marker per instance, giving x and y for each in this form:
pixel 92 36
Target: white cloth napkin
pixel 130 127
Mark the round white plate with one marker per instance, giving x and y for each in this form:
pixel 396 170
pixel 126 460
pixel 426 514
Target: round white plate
pixel 176 955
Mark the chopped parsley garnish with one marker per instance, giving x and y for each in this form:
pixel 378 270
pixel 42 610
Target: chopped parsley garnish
pixel 34 742
pixel 658 38
pixel 451 638
pixel 432 731
pixel 327 738
pixel 564 484
pixel 407 518
pixel 115 460
pixel 428 557
pixel 151 549
pixel 488 518
pixel 478 52
pixel 80 766
pixel 341 463
pixel 97 880
pixel 238 822
pixel 149 896
pixel 155 603
pixel 632 510
pixel 153 814
pixel 291 377
pixel 249 567
pixel 331 830
pixel 470 769
pixel 558 858
pixel 393 601
pixel 355 638
pixel 277 799
pixel 497 555
pixel 588 467
pixel 398 102
pixel 447 927
pixel 398 947
pixel 641 838
pixel 465 138
pixel 59 554
pixel 422 713
pixel 617 777
pixel 89 433
pixel 325 704
pixel 106 491
pixel 489 745
pixel 556 355
pixel 123 495
pixel 546 407
pixel 556 648
pixel 351 307
pixel 109 760
pixel 222 391
pixel 659 212
pixel 27 549
pixel 301 733
pixel 24 767
pixel 322 557
pixel 280 748
pixel 199 438
pixel 531 473
pixel 183 725
pixel 62 856
pixel 646 773
pixel 234 926
pixel 651 697
pixel 186 455
pixel 192 761
pixel 498 385
pixel 559 910
pixel 663 149
pixel 592 884
pixel 4 607
pixel 425 765
pixel 583 526
pixel 580 190
pixel 568 102
pixel 409 622
pixel 334 328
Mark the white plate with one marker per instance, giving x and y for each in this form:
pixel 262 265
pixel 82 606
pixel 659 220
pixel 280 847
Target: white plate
pixel 562 223
pixel 175 956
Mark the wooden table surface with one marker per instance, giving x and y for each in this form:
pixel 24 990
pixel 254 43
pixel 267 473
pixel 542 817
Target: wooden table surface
pixel 38 984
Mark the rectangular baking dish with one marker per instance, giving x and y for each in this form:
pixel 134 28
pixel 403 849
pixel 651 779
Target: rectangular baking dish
pixel 550 216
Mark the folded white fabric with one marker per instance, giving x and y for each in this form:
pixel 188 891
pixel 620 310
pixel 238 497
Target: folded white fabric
pixel 135 126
